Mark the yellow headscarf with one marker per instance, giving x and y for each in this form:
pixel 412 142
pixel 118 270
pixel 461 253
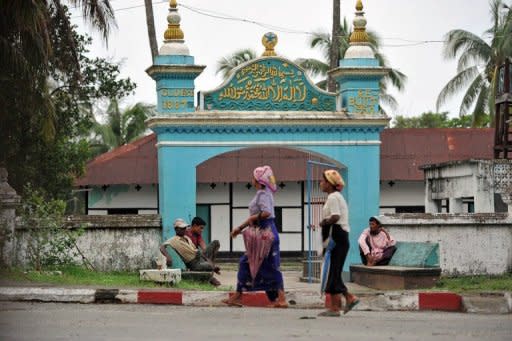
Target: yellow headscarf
pixel 334 179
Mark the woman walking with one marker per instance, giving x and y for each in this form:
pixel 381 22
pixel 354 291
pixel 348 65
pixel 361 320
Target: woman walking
pixel 335 231
pixel 259 267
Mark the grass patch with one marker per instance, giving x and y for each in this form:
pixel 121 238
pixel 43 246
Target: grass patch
pixel 476 283
pixel 79 276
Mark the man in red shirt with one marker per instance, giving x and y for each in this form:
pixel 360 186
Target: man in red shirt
pixel 195 234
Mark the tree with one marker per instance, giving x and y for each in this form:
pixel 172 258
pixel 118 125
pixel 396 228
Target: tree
pixel 46 108
pixel 323 41
pixel 226 65
pixel 121 127
pixel 477 63
pixel 150 22
pixel 432 120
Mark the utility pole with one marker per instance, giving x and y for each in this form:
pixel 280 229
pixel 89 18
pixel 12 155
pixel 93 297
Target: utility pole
pixel 334 52
pixel 150 21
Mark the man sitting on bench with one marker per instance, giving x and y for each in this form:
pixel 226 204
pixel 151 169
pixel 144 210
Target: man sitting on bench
pixel 376 246
pixel 195 233
pixel 185 248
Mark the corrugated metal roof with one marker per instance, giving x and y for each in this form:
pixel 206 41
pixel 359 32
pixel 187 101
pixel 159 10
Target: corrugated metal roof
pixel 133 163
pixel 402 152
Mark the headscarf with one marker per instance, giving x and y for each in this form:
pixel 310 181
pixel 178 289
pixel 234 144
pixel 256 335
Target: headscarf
pixel 334 178
pixel 265 176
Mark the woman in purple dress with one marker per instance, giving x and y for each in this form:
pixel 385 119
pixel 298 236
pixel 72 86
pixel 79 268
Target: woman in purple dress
pixel 259 267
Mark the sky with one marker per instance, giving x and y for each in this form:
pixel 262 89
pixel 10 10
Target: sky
pixel 412 32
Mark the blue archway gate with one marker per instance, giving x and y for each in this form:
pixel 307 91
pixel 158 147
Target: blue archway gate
pixel 268 101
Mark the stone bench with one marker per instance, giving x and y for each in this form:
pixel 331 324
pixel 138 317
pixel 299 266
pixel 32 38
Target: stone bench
pixel 173 276
pixel 414 265
pixel 170 276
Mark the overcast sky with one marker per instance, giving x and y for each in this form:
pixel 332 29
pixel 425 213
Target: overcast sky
pixel 403 26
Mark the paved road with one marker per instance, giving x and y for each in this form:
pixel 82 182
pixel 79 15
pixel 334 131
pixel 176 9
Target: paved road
pixel 52 321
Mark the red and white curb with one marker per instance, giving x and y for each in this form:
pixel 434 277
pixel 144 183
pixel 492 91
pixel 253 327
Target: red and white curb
pixel 498 303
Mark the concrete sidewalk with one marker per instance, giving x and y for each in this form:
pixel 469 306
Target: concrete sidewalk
pixel 299 295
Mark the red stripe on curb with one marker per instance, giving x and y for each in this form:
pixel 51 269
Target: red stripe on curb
pixel 160 297
pixel 254 299
pixel 446 301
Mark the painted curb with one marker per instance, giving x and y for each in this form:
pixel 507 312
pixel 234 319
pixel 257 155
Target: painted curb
pixel 160 297
pixel 48 295
pixel 493 303
pixel 487 303
pixel 445 301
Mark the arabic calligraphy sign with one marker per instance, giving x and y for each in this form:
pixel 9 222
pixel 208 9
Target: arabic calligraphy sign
pixel 269 84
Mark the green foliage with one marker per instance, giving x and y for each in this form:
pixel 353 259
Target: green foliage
pixel 122 127
pixel 76 275
pixel 476 283
pixel 478 61
pixel 436 120
pixel 47 95
pixel 49 242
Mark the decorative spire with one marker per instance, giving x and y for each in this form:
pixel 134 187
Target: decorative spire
pixel 269 40
pixel 173 31
pixel 359 35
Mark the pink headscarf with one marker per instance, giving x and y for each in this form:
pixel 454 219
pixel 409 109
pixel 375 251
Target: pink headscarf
pixel 265 176
pixel 334 179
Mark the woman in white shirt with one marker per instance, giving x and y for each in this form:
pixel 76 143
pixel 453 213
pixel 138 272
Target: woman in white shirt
pixel 335 231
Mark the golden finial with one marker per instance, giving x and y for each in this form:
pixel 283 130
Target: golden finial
pixel 359 5
pixel 269 40
pixel 359 35
pixel 173 31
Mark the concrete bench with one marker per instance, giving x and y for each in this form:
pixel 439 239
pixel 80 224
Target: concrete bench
pixel 169 276
pixel 414 265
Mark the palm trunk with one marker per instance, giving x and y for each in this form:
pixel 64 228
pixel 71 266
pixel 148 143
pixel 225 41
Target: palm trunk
pixel 150 21
pixel 335 39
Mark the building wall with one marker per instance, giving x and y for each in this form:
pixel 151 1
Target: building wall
pixel 289 199
pixel 469 244
pixel 144 200
pixel 109 243
pixel 399 196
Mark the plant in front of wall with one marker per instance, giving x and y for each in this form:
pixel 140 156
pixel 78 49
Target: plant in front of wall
pixel 48 241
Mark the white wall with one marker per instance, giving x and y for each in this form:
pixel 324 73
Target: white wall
pixel 219 194
pixel 124 196
pixel 220 225
pixel 468 243
pixel 401 193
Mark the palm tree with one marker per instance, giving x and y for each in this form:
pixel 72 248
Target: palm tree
pixel 34 37
pixel 226 65
pixel 478 61
pixel 323 41
pixel 122 127
pixel 316 67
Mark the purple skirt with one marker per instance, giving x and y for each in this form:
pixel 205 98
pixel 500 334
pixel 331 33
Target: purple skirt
pixel 269 277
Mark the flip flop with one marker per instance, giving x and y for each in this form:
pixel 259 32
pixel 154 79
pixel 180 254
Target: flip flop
pixel 329 313
pixel 232 303
pixel 349 307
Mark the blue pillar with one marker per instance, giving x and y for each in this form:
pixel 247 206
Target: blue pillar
pixel 174 72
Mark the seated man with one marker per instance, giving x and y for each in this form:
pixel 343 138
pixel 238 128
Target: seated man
pixel 376 246
pixel 195 234
pixel 186 249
